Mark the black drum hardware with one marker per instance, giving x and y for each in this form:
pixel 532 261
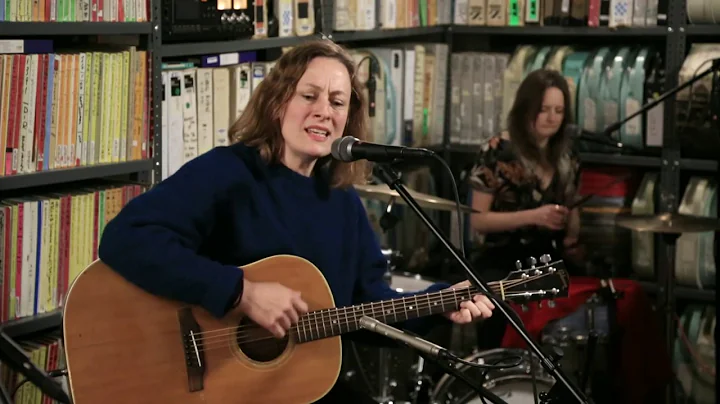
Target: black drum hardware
pixel 201 20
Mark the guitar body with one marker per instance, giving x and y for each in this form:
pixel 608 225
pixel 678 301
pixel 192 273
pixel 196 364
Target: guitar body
pixel 124 345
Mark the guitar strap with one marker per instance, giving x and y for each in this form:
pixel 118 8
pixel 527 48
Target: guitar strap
pixel 512 77
pixel 643 243
pixel 632 95
pixel 572 68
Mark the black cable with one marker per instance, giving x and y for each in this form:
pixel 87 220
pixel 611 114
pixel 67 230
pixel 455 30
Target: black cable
pixel 457 201
pixel 52 373
pixel 494 365
pixel 509 309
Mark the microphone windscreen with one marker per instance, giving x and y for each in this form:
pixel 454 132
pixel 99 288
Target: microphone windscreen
pixel 340 148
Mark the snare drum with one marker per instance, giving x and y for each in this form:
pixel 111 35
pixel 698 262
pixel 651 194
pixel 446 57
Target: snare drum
pixel 513 385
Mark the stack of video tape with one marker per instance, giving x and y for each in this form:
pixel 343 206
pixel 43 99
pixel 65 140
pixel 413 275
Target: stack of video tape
pixel 591 13
pixel 606 85
pixel 698 107
pixel 703 12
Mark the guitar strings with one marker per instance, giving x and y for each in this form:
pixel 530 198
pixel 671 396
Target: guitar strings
pixel 423 302
pixel 295 330
pixel 307 321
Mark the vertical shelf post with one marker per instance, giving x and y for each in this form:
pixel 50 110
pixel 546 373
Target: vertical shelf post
pixel 156 88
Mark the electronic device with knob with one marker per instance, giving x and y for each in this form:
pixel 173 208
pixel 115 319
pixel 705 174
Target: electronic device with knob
pixel 207 20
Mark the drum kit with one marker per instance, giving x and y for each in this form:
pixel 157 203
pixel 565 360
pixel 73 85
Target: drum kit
pixel 398 375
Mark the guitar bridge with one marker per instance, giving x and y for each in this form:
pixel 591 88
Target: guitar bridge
pixel 192 341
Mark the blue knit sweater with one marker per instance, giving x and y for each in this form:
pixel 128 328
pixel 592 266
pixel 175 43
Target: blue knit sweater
pixel 186 238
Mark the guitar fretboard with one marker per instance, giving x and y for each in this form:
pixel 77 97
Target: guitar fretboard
pixel 336 321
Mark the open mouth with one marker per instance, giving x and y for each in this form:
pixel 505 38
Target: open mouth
pixel 317 134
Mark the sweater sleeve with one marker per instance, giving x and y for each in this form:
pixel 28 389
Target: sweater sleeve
pixel 371 285
pixel 153 241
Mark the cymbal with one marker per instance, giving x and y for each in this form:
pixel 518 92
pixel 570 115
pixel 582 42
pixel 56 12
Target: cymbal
pixel 384 194
pixel 668 223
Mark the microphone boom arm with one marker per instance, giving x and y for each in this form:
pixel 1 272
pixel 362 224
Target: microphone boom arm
pixel 617 125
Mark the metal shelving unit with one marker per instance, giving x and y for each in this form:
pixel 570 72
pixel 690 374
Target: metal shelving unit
pixel 26 29
pixel 38 182
pixel 538 30
pixel 32 325
pixel 70 175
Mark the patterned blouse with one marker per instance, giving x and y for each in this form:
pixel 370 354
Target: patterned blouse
pixel 515 186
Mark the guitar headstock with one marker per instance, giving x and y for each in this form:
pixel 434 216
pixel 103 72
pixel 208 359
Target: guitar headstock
pixel 544 280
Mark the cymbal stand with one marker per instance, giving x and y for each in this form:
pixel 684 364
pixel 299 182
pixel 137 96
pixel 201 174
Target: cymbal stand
pixel 591 345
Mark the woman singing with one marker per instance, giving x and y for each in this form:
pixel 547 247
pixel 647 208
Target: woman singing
pixel 524 181
pixel 274 190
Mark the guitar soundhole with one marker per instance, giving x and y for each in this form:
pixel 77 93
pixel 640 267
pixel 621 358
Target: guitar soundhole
pixel 257 343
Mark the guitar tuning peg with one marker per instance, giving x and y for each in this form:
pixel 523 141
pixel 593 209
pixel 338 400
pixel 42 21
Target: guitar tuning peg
pixel 545 259
pixel 551 304
pixel 518 265
pixel 532 261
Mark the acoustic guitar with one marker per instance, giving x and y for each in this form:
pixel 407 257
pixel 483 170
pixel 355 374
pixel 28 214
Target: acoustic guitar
pixel 124 345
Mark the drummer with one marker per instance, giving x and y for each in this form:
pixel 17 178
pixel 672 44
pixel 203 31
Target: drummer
pixel 522 182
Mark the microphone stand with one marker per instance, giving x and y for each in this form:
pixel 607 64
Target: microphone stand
pixel 564 395
pixel 448 366
pixel 617 125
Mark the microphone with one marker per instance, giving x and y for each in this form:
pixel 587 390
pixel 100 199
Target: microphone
pixel 420 344
pixel 604 138
pixel 349 148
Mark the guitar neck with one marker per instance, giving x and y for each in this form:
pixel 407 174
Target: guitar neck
pixel 336 321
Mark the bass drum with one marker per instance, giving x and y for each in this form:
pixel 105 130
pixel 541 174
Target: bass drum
pixel 514 385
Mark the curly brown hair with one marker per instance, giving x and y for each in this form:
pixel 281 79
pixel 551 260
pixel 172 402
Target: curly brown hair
pixel 259 125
